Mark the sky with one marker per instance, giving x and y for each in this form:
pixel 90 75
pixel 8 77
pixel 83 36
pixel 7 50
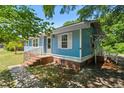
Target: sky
pixel 58 18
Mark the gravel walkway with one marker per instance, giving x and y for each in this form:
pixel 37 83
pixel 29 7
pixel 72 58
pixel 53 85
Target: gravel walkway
pixel 23 78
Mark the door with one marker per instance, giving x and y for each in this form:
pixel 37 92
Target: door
pixel 48 45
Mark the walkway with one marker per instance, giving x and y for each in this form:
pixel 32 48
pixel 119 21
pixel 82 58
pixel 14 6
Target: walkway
pixel 23 78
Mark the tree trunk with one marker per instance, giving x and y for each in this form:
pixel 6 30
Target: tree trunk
pixel 15 50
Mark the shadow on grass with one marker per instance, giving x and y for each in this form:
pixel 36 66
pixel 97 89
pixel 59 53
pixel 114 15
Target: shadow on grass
pixel 88 77
pixel 18 52
pixel 6 79
pixel 93 76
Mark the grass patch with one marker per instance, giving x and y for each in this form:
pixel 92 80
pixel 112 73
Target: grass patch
pixel 8 58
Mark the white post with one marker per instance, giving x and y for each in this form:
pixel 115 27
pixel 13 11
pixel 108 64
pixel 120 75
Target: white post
pixel 80 43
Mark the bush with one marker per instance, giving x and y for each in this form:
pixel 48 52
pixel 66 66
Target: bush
pixel 12 45
pixel 109 48
pixel 117 48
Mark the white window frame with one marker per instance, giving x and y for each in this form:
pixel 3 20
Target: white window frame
pixel 69 41
pixel 27 43
pixel 64 41
pixel 34 45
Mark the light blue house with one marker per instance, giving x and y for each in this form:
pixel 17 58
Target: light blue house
pixel 70 45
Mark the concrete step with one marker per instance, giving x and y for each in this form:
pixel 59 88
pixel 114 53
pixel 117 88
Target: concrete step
pixel 25 65
pixel 32 60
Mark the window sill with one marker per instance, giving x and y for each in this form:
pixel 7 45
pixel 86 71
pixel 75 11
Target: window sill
pixel 65 48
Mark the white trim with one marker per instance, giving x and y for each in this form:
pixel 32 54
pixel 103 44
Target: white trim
pixel 86 57
pixel 33 42
pixel 68 41
pixel 71 58
pixel 80 43
pixel 27 43
pixel 81 25
pixel 42 45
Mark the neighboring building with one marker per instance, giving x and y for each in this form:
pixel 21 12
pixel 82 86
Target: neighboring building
pixel 70 45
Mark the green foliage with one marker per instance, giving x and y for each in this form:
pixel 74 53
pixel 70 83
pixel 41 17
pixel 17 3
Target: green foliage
pixel 12 45
pixel 49 10
pixel 71 22
pixel 116 48
pixel 20 22
pixel 110 49
pixel 119 47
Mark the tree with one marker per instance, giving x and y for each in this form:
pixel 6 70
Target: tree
pixel 20 22
pixel 71 22
pixel 49 10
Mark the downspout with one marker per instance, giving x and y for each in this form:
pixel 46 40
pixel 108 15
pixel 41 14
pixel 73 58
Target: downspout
pixel 81 44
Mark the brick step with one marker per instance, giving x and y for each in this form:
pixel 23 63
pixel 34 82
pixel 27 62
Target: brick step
pixel 32 60
pixel 32 63
pixel 29 63
pixel 36 58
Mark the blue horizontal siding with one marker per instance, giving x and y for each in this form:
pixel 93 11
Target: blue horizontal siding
pixel 86 42
pixel 67 52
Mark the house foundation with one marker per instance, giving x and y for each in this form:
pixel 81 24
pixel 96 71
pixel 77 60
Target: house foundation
pixel 77 66
pixel 67 63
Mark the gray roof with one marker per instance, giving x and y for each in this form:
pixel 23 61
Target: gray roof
pixel 73 27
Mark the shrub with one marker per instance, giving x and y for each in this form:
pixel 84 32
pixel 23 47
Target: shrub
pixel 12 45
pixel 119 47
pixel 110 49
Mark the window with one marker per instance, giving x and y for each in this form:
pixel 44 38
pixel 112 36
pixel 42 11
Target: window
pixel 64 42
pixel 35 42
pixel 30 42
pixel 49 43
pixel 27 43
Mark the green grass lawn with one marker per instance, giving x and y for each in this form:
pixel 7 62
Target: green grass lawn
pixel 8 58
